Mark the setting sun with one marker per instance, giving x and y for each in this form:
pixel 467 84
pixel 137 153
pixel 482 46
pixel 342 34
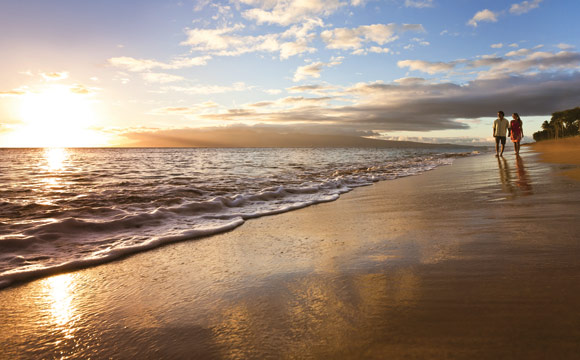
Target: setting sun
pixel 57 116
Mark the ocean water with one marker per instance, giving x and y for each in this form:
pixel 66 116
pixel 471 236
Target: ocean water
pixel 63 209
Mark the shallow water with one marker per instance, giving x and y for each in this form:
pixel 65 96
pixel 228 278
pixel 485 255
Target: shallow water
pixel 473 261
pixel 69 208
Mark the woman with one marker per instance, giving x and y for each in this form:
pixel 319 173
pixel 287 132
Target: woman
pixel 517 132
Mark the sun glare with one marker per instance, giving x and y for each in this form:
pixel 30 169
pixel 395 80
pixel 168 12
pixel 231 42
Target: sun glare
pixel 57 117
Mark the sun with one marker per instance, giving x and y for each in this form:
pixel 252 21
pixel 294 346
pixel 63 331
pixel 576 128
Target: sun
pixel 57 116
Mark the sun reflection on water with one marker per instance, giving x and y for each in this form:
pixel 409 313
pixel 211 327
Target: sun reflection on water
pixel 56 158
pixel 59 292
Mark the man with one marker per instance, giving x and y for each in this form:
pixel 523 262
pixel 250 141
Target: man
pixel 500 126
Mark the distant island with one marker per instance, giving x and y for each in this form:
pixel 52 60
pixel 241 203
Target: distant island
pixel 562 124
pixel 264 138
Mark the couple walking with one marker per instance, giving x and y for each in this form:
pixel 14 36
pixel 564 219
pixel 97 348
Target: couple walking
pixel 514 130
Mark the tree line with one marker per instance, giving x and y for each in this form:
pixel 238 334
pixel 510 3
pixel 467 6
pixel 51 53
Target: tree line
pixel 562 124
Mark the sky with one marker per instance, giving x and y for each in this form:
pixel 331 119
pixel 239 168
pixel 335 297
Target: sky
pixel 111 73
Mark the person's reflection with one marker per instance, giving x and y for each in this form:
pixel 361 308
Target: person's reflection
pixel 523 181
pixel 504 175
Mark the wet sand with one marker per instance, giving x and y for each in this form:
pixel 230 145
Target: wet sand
pixel 477 260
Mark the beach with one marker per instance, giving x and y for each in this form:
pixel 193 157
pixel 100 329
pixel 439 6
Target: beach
pixel 474 260
pixel 561 151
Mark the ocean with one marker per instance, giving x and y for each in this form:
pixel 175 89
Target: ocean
pixel 63 209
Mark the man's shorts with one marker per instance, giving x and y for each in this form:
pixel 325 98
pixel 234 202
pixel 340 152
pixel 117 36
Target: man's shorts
pixel 500 138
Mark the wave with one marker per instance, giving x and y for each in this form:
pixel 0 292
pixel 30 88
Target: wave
pixel 93 233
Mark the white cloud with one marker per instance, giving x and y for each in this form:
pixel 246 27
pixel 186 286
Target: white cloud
pixel 483 15
pixel 419 3
pixel 226 42
pixel 379 50
pixel 358 2
pixel 313 70
pixel 138 65
pixel 514 45
pixel 201 4
pixel 410 81
pixel 288 12
pixel 55 76
pixel 563 46
pixel 196 109
pixel 11 93
pixel 520 52
pixel 353 38
pixel 524 7
pixel 497 46
pixel 161 78
pixel 542 61
pixel 427 66
pixel 208 89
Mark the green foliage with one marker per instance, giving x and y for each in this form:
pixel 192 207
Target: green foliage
pixel 562 124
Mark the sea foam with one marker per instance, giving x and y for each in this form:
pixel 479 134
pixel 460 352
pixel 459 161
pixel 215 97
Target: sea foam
pixel 103 204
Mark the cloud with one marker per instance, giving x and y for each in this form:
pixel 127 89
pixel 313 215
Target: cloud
pixel 138 65
pixel 226 42
pixel 497 46
pixel 419 3
pixel 410 81
pixel 524 7
pixel 379 50
pixel 538 61
pixel 499 66
pixel 427 66
pixel 353 38
pixel 208 89
pixel 315 89
pixel 161 78
pixel 520 52
pixel 80 89
pixel 313 70
pixel 11 93
pixel 186 110
pixel 55 76
pixel 415 105
pixel 483 15
pixel 288 12
pixel 304 100
pixel 563 46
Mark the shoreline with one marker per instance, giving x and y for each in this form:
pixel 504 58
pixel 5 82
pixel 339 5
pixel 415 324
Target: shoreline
pixel 9 278
pixel 561 151
pixel 472 260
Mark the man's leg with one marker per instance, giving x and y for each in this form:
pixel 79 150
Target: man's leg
pixel 502 145
pixel 496 145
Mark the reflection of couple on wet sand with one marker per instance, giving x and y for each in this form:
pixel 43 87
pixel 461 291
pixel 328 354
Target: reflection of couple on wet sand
pixel 514 130
pixel 522 181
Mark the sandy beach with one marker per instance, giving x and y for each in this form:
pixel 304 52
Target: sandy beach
pixel 476 260
pixel 561 151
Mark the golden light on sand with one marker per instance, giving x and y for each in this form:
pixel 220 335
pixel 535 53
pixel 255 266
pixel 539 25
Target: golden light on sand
pixel 59 293
pixel 57 116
